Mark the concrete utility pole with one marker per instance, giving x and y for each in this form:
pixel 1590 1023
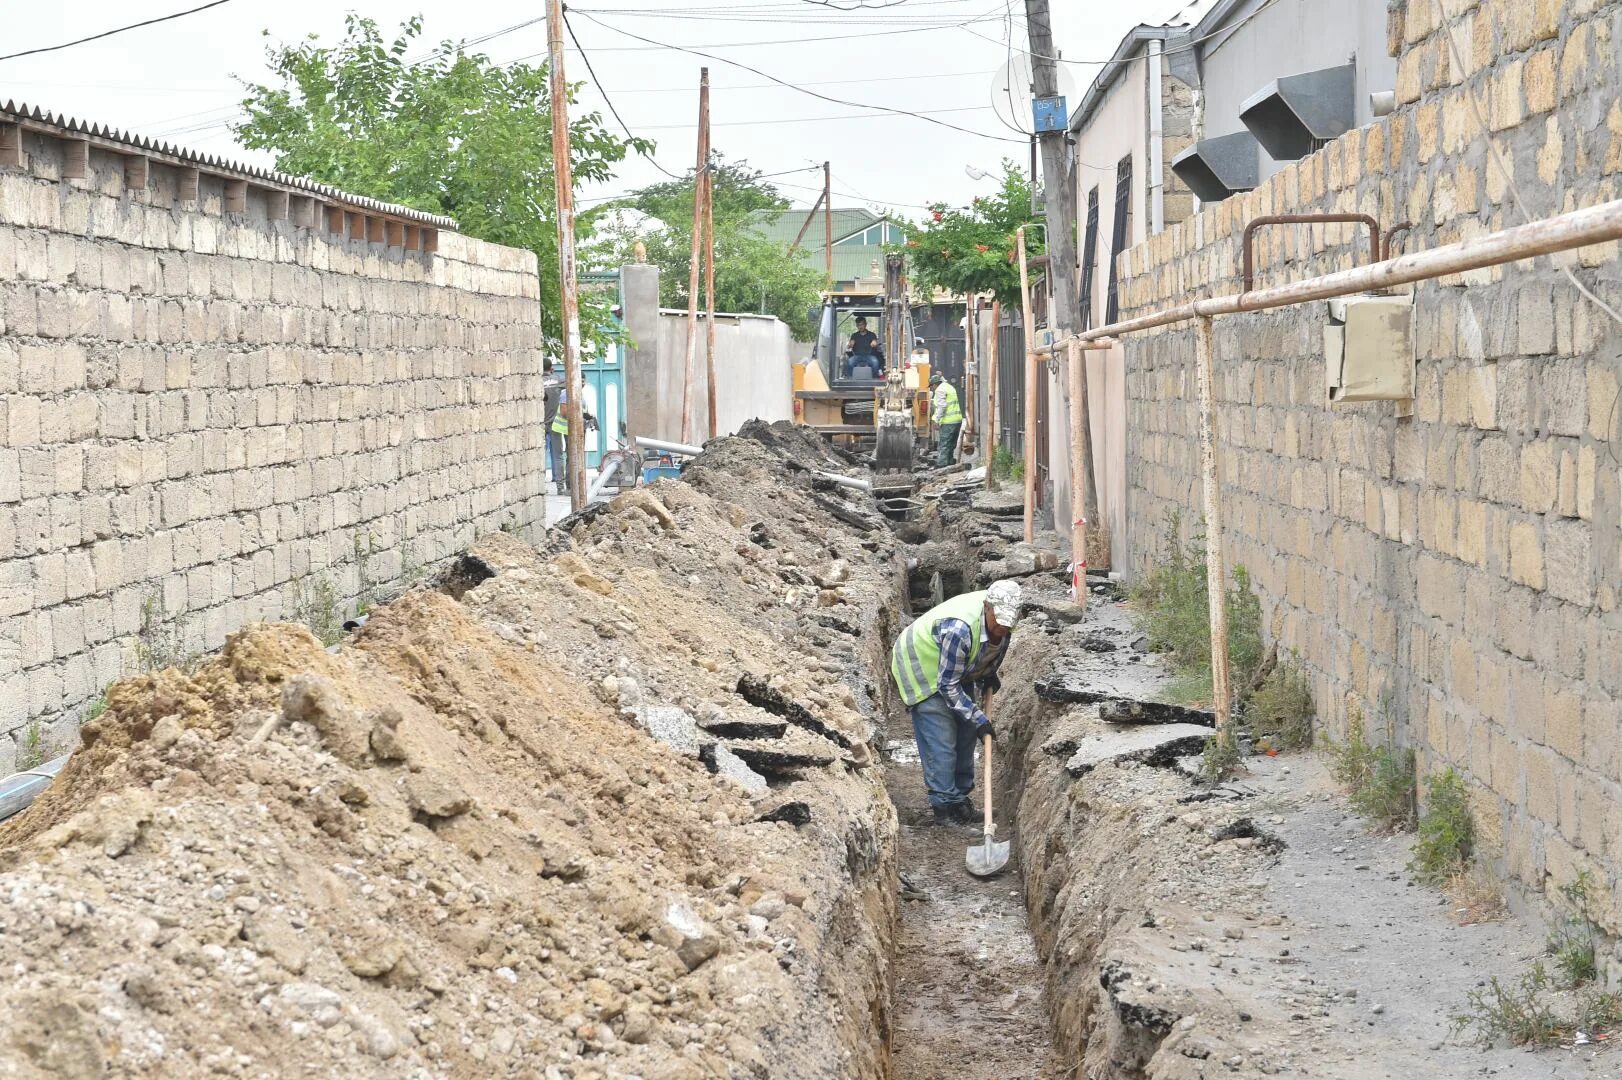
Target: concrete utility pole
pixel 692 264
pixel 563 179
pixel 708 180
pixel 1061 208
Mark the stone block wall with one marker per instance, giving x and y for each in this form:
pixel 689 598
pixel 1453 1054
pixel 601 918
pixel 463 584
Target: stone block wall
pixel 1453 576
pixel 208 419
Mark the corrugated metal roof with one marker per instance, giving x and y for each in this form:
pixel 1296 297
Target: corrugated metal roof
pixel 36 119
pixel 782 226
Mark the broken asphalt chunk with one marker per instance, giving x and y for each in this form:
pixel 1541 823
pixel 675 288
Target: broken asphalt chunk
pixel 1158 745
pixel 795 813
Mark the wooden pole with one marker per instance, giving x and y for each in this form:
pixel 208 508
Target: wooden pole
pixel 1030 387
pixel 966 439
pixel 994 414
pixel 568 286
pixel 709 262
pixel 1078 470
pixel 1216 582
pixel 693 259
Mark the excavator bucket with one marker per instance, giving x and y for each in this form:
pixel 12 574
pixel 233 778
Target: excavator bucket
pixel 892 450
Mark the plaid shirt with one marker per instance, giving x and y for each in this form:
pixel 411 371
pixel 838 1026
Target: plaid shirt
pixel 957 682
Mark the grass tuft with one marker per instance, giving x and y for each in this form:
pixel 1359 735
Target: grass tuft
pixel 1378 780
pixel 1446 831
pixel 1281 709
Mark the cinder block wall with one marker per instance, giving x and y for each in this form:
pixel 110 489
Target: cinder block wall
pixel 1454 575
pixel 202 415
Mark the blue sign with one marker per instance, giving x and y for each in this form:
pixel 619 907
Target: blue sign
pixel 1049 113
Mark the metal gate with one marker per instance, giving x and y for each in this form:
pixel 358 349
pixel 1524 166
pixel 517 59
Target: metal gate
pixel 940 327
pixel 1010 432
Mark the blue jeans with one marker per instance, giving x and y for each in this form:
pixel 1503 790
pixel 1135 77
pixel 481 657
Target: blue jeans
pixel 946 747
pixel 867 360
pixel 557 460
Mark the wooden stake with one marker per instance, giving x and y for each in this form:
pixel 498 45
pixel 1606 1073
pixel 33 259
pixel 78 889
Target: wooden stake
pixel 1216 581
pixel 989 430
pixel 692 268
pixel 1078 471
pixel 709 266
pixel 563 179
pixel 1030 387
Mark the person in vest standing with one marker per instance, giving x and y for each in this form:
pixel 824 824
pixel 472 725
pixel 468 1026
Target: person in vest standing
pixel 557 435
pixel 942 663
pixel 948 417
pixel 552 386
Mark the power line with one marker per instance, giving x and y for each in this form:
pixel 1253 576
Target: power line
pixel 654 45
pixel 779 86
pixel 817 119
pixel 801 89
pixel 110 33
pixel 610 101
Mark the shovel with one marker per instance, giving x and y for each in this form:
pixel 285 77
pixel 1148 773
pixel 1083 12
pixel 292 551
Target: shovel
pixel 988 857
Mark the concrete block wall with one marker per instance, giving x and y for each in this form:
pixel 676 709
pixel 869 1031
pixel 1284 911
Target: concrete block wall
pixel 1454 576
pixel 202 415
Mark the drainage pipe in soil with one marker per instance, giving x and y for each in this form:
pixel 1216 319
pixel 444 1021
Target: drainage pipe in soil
pixel 855 483
pixel 18 791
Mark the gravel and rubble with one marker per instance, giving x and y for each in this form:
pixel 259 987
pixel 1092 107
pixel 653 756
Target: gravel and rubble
pixel 505 830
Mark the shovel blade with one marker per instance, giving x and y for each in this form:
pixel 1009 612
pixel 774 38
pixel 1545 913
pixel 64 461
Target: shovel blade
pixel 986 858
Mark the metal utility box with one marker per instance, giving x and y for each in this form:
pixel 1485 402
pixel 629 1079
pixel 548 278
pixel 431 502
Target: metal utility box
pixel 1369 350
pixel 1049 114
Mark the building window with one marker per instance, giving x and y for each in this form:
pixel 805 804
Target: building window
pixel 1089 260
pixel 1123 229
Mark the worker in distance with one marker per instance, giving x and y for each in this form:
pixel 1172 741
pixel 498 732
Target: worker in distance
pixel 945 666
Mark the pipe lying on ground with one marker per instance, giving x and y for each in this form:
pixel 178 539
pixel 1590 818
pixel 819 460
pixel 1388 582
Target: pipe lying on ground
pixel 18 791
pixel 852 482
pixel 669 447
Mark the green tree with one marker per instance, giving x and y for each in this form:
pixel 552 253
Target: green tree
pixel 971 251
pixel 450 133
pixel 751 273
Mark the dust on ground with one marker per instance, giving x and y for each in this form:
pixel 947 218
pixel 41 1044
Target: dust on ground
pixel 454 849
pixel 1180 941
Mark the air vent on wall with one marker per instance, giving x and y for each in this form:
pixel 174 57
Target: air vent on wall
pixel 1216 168
pixel 1294 115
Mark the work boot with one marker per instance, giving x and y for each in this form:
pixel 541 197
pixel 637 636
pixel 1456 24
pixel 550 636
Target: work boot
pixel 966 813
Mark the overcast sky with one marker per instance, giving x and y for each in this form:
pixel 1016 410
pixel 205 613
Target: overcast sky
pixel 936 57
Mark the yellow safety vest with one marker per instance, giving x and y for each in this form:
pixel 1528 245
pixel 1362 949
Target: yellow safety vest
pixel 915 659
pixel 949 412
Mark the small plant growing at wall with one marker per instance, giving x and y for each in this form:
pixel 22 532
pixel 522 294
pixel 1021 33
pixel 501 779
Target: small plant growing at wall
pixel 31 749
pixel 1574 943
pixel 1281 709
pixel 315 604
pixel 1220 758
pixel 1003 464
pixel 411 565
pixel 366 596
pixel 1446 830
pixel 1378 780
pixel 159 643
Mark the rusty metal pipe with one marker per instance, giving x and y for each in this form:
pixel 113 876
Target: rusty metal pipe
pixel 1391 237
pixel 1375 251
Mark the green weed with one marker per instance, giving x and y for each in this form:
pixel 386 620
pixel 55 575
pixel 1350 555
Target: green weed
pixel 1574 943
pixel 1172 608
pixel 160 642
pixel 366 596
pixel 315 604
pixel 31 754
pixel 1378 780
pixel 1519 1013
pixel 1220 758
pixel 411 565
pixel 97 707
pixel 1281 709
pixel 1446 830
pixel 1005 466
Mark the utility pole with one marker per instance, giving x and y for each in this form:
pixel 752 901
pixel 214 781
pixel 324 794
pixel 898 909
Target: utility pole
pixel 709 264
pixel 1058 190
pixel 828 223
pixel 563 179
pixel 692 265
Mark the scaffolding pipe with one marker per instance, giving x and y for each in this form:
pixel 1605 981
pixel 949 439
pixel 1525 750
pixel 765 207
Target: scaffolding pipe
pixel 669 447
pixel 1157 171
pixel 1030 386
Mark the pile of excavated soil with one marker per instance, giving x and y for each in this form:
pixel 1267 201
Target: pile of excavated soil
pixel 454 848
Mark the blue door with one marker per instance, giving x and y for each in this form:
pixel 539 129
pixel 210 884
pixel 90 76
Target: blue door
pixel 604 376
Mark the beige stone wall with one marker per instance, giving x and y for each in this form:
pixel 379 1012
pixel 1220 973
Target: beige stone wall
pixel 1453 575
pixel 204 416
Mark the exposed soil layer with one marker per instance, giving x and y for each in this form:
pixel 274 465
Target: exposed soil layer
pixel 488 836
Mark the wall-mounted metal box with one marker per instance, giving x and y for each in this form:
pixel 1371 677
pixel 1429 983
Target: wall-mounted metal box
pixel 1049 113
pixel 1369 350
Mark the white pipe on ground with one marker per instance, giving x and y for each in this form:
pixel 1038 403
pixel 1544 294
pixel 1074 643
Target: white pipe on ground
pixel 669 447
pixel 853 482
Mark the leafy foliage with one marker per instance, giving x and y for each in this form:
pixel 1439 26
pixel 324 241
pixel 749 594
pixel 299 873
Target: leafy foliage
pixel 1446 830
pixel 1281 708
pixel 751 272
pixel 1378 780
pixel 1574 943
pixel 967 252
pixel 1171 606
pixel 452 133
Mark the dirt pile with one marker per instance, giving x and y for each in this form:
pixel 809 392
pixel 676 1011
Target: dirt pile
pixel 453 848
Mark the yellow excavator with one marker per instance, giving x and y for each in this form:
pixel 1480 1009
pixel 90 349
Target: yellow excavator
pixel 851 398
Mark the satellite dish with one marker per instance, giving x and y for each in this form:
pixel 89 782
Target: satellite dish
pixel 1011 92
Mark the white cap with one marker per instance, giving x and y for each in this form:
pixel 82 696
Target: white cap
pixel 1003 596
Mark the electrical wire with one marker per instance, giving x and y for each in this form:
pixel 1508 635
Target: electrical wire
pixel 801 89
pixel 610 101
pixel 814 119
pixel 1187 46
pixel 654 45
pixel 119 30
pixel 716 87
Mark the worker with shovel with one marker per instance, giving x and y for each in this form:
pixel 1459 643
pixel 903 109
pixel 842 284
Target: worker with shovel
pixel 940 663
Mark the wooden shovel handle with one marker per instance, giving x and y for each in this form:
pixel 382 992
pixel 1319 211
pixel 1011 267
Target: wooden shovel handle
pixel 986 798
